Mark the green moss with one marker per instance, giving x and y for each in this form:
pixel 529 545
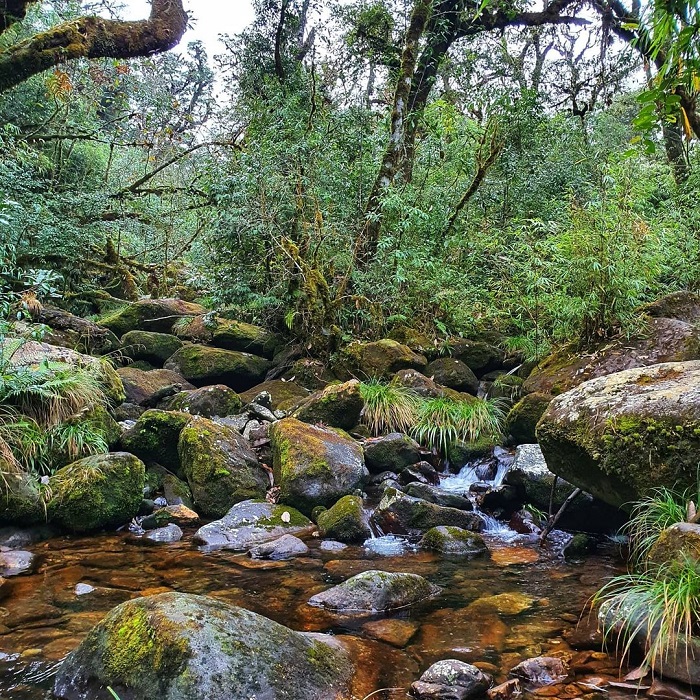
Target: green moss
pixel 345 521
pixel 296 519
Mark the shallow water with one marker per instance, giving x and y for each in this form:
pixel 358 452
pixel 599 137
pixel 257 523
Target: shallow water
pixel 44 617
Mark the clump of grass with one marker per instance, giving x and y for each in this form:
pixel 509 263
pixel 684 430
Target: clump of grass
pixel 388 407
pixel 444 421
pixel 659 608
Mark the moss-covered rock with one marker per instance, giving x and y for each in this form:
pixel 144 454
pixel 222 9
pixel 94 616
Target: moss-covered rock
pixel 453 374
pixel 664 340
pixel 346 521
pixel 374 591
pixel 284 395
pixel 310 374
pixel 20 498
pixel 379 359
pixel 683 306
pixel 453 540
pixel 157 315
pixel 404 515
pixel 235 335
pixel 177 646
pixel 251 522
pixel 459 453
pixel 102 491
pixel 204 366
pixel 220 467
pixel 417 341
pixel 674 543
pixel 154 437
pixel 314 465
pixel 391 453
pixel 148 388
pixel 524 416
pixel 620 436
pixel 338 405
pixel 479 356
pixel 155 348
pixel 209 401
pixel 176 514
pixel 434 494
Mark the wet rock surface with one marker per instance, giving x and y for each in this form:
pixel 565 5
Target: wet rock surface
pixel 450 680
pixel 285 547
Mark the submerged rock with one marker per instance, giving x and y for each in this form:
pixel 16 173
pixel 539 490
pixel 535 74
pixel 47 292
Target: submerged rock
pixel 338 406
pixel 401 514
pixel 375 591
pixel 620 436
pixel 16 562
pixel 164 535
pixel 286 547
pixel 453 540
pixel 102 491
pixel 541 670
pixel 451 679
pixel 345 521
pixel 250 523
pixel 220 467
pixel 314 465
pixel 176 646
pixel 204 366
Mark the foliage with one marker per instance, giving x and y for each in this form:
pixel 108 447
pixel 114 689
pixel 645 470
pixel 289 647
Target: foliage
pixel 388 407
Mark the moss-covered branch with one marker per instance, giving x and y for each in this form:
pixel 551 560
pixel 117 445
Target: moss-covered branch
pixel 93 37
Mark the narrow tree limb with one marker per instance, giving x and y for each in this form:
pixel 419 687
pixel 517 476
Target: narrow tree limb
pixel 92 37
pixel 556 518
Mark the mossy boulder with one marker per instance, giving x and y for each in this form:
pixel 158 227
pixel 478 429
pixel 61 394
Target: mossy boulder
pixel 479 356
pixel 683 306
pixel 620 436
pixel 177 646
pixel 375 591
pixel 284 395
pixel 346 521
pixel 157 315
pixel 434 494
pixel 310 373
pixel 454 374
pixel 664 340
pixel 417 341
pixel 523 417
pixel 235 335
pixel 402 514
pixel 208 401
pixel 204 366
pixel 102 491
pixel 220 467
pixel 20 498
pixel 313 465
pixel 453 540
pixel 459 453
pixel 338 405
pixel 251 522
pixel 154 437
pixel 148 388
pixel 379 359
pixel 155 348
pixel 391 453
pixel 674 543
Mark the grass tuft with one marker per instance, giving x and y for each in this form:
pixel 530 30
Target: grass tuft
pixel 388 407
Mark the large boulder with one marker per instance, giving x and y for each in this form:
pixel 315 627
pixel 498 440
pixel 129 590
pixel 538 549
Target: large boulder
pixel 683 306
pixel 203 366
pixel 622 435
pixel 208 401
pixel 346 521
pixel 479 356
pixel 20 498
pixel 313 465
pixel 283 394
pixel 158 315
pixel 338 405
pixel 154 437
pixel 453 374
pixel 74 332
pixel 453 540
pixel 665 340
pixel 391 453
pixel 676 542
pixel 102 491
pixel 150 387
pixel 220 467
pixel 374 591
pixel 249 523
pixel 379 359
pixel 417 341
pixel 177 646
pixel 235 335
pixel 434 494
pixel 402 514
pixel 155 348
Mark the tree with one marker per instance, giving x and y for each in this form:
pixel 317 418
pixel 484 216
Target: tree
pixel 86 37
